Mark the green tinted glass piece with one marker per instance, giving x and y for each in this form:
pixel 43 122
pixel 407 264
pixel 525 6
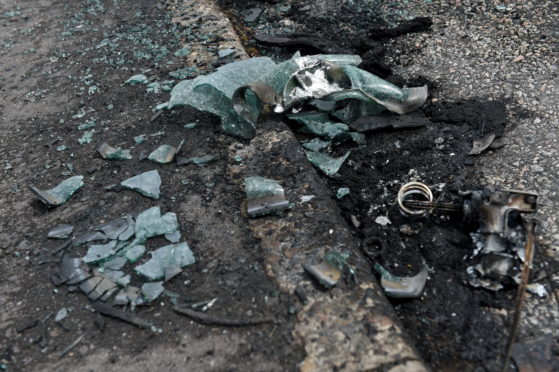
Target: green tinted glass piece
pixel 173 255
pixel 147 184
pixel 151 223
pixel 61 193
pixel 327 164
pixel 342 191
pixel 256 187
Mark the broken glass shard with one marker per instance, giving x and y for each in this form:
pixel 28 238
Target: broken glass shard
pixel 256 187
pixel 264 196
pixel 114 228
pixel 402 287
pixel 101 288
pixel 342 191
pixel 325 163
pixel 137 79
pixel 253 15
pixel 200 160
pixel 174 255
pixel 108 294
pixel 237 91
pixel 152 290
pixel 112 153
pixel 147 184
pixel 151 223
pixel 89 285
pixel 89 236
pixel 115 263
pixel 171 272
pixel 325 273
pixel 316 145
pixel 190 125
pixel 140 139
pixel 120 298
pixel 357 138
pixel 182 52
pixel 481 144
pixel 99 252
pixel 135 253
pixel 224 53
pixel 338 259
pixel 183 73
pixel 266 204
pixel 61 231
pixel 61 315
pixel 87 137
pixel 113 275
pixel 173 237
pixel 164 154
pixel 70 272
pixel 129 231
pixel 318 123
pixel 61 193
pixel 325 106
pixel 214 92
pixel 124 280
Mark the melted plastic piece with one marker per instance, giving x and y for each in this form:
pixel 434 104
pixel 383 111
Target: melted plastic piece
pixel 164 154
pixel 100 252
pixel 151 223
pixel 152 290
pixel 328 165
pixel 178 255
pixel 61 193
pixel 342 191
pixel 147 184
pixel 318 123
pixel 108 152
pixel 61 231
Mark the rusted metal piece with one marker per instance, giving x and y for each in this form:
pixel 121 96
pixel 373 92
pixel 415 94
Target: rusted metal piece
pixel 529 226
pixel 494 213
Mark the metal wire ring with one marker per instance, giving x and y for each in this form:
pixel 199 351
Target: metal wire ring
pixel 413 188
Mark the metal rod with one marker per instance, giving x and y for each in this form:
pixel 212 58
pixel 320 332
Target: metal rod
pixel 529 225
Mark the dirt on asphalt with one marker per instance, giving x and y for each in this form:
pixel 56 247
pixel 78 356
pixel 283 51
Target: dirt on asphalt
pixel 64 64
